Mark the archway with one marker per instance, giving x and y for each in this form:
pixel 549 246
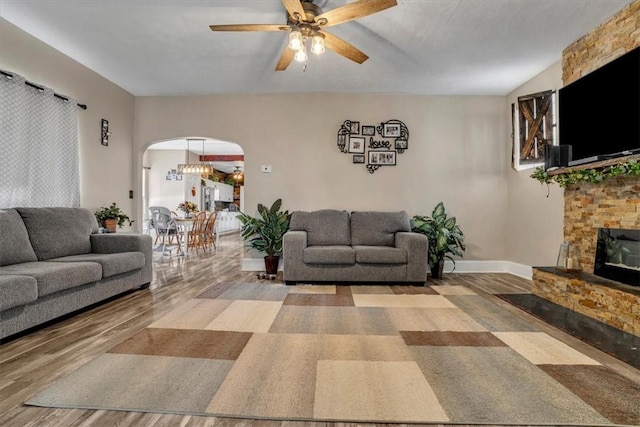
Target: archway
pixel 163 184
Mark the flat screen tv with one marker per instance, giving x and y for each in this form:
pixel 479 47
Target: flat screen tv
pixel 599 114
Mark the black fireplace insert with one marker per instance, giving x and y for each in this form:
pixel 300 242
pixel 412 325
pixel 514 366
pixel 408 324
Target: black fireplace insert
pixel 618 255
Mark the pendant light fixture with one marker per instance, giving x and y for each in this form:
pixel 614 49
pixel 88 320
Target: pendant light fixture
pixel 194 168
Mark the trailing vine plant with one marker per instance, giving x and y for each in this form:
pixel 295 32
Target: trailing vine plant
pixel 593 176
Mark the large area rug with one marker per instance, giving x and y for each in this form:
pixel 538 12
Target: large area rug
pixel 439 354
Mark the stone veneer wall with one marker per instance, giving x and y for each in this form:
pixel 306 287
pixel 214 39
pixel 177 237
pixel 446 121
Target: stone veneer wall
pixel 590 296
pixel 613 203
pixel 613 38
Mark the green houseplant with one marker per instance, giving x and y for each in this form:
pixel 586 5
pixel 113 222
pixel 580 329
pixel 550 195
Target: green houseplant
pixel 445 237
pixel 265 232
pixel 110 216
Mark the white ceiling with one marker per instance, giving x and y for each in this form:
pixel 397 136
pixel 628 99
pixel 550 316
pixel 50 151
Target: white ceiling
pixel 165 47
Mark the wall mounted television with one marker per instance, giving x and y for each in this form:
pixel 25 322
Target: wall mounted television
pixel 599 114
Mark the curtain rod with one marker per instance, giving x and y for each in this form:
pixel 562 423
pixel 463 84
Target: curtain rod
pixel 40 88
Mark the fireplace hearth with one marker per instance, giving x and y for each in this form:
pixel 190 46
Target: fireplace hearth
pixel 618 255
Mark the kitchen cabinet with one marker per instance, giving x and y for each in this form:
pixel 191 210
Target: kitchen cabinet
pixel 226 192
pixel 227 222
pixel 219 191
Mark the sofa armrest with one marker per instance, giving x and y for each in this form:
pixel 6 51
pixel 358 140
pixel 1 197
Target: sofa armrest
pixel 417 246
pixel 113 243
pixel 293 243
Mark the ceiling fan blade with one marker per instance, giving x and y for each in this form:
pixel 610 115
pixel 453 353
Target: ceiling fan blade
pixel 343 48
pixel 285 59
pixel 294 7
pixel 355 10
pixel 249 27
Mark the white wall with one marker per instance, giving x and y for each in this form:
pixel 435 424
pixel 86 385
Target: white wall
pixel 163 192
pixel 534 221
pixel 456 153
pixel 106 173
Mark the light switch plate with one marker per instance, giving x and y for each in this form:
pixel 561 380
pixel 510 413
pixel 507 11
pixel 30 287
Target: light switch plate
pixel 265 168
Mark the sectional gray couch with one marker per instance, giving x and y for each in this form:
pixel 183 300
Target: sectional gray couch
pixel 364 246
pixel 54 262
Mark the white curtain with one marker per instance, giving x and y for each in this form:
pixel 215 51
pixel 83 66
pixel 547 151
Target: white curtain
pixel 38 147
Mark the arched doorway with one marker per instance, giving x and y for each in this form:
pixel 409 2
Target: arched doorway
pixel 163 184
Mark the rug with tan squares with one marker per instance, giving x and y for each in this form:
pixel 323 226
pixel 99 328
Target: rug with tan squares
pixel 435 354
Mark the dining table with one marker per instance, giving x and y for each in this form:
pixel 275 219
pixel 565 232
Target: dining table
pixel 185 224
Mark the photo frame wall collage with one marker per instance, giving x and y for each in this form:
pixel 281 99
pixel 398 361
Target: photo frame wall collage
pixel 373 146
pixel 173 175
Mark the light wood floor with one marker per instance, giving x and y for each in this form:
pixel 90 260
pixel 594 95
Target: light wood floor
pixel 32 362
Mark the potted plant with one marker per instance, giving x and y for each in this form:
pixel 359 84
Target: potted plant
pixel 265 233
pixel 110 216
pixel 445 237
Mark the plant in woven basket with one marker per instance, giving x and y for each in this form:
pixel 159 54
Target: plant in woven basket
pixel 109 216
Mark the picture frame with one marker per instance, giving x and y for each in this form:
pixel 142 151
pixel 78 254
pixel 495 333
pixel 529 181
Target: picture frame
pixel 356 144
pixel 104 132
pixel 401 144
pixel 358 158
pixel 368 130
pixel 342 141
pixel 382 158
pixel 391 130
pixel 355 128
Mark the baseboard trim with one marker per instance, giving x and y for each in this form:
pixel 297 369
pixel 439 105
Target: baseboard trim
pixel 462 266
pixel 256 264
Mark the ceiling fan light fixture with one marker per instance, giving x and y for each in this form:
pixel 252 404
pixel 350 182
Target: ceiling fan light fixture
pixel 296 41
pixel 317 44
pixel 301 54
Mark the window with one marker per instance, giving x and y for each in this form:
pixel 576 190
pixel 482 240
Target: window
pixel 534 128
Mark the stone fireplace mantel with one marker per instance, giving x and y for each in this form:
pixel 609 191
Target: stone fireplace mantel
pixel 612 203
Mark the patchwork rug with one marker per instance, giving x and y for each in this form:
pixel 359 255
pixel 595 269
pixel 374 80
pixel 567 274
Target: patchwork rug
pixel 438 354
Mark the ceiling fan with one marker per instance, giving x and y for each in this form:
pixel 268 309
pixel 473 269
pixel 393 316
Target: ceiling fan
pixel 306 22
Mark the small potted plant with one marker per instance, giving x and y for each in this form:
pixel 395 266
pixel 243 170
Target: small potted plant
pixel 110 216
pixel 445 237
pixel 265 233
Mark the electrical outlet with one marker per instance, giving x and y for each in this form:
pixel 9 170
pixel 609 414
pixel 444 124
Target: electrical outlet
pixel 265 168
pixel 131 194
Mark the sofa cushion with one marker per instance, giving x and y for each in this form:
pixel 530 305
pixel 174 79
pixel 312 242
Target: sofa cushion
pixel 112 264
pixel 56 276
pixel 58 232
pixel 380 255
pixel 324 227
pixel 334 254
pixel 377 228
pixel 16 291
pixel 15 247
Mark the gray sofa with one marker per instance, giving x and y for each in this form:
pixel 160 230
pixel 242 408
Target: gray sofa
pixel 364 246
pixel 54 262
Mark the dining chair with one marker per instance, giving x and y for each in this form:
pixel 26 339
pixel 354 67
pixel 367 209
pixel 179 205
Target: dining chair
pixel 152 210
pixel 166 229
pixel 194 236
pixel 209 231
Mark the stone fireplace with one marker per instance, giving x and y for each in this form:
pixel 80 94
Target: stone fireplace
pixel 588 208
pixel 612 203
